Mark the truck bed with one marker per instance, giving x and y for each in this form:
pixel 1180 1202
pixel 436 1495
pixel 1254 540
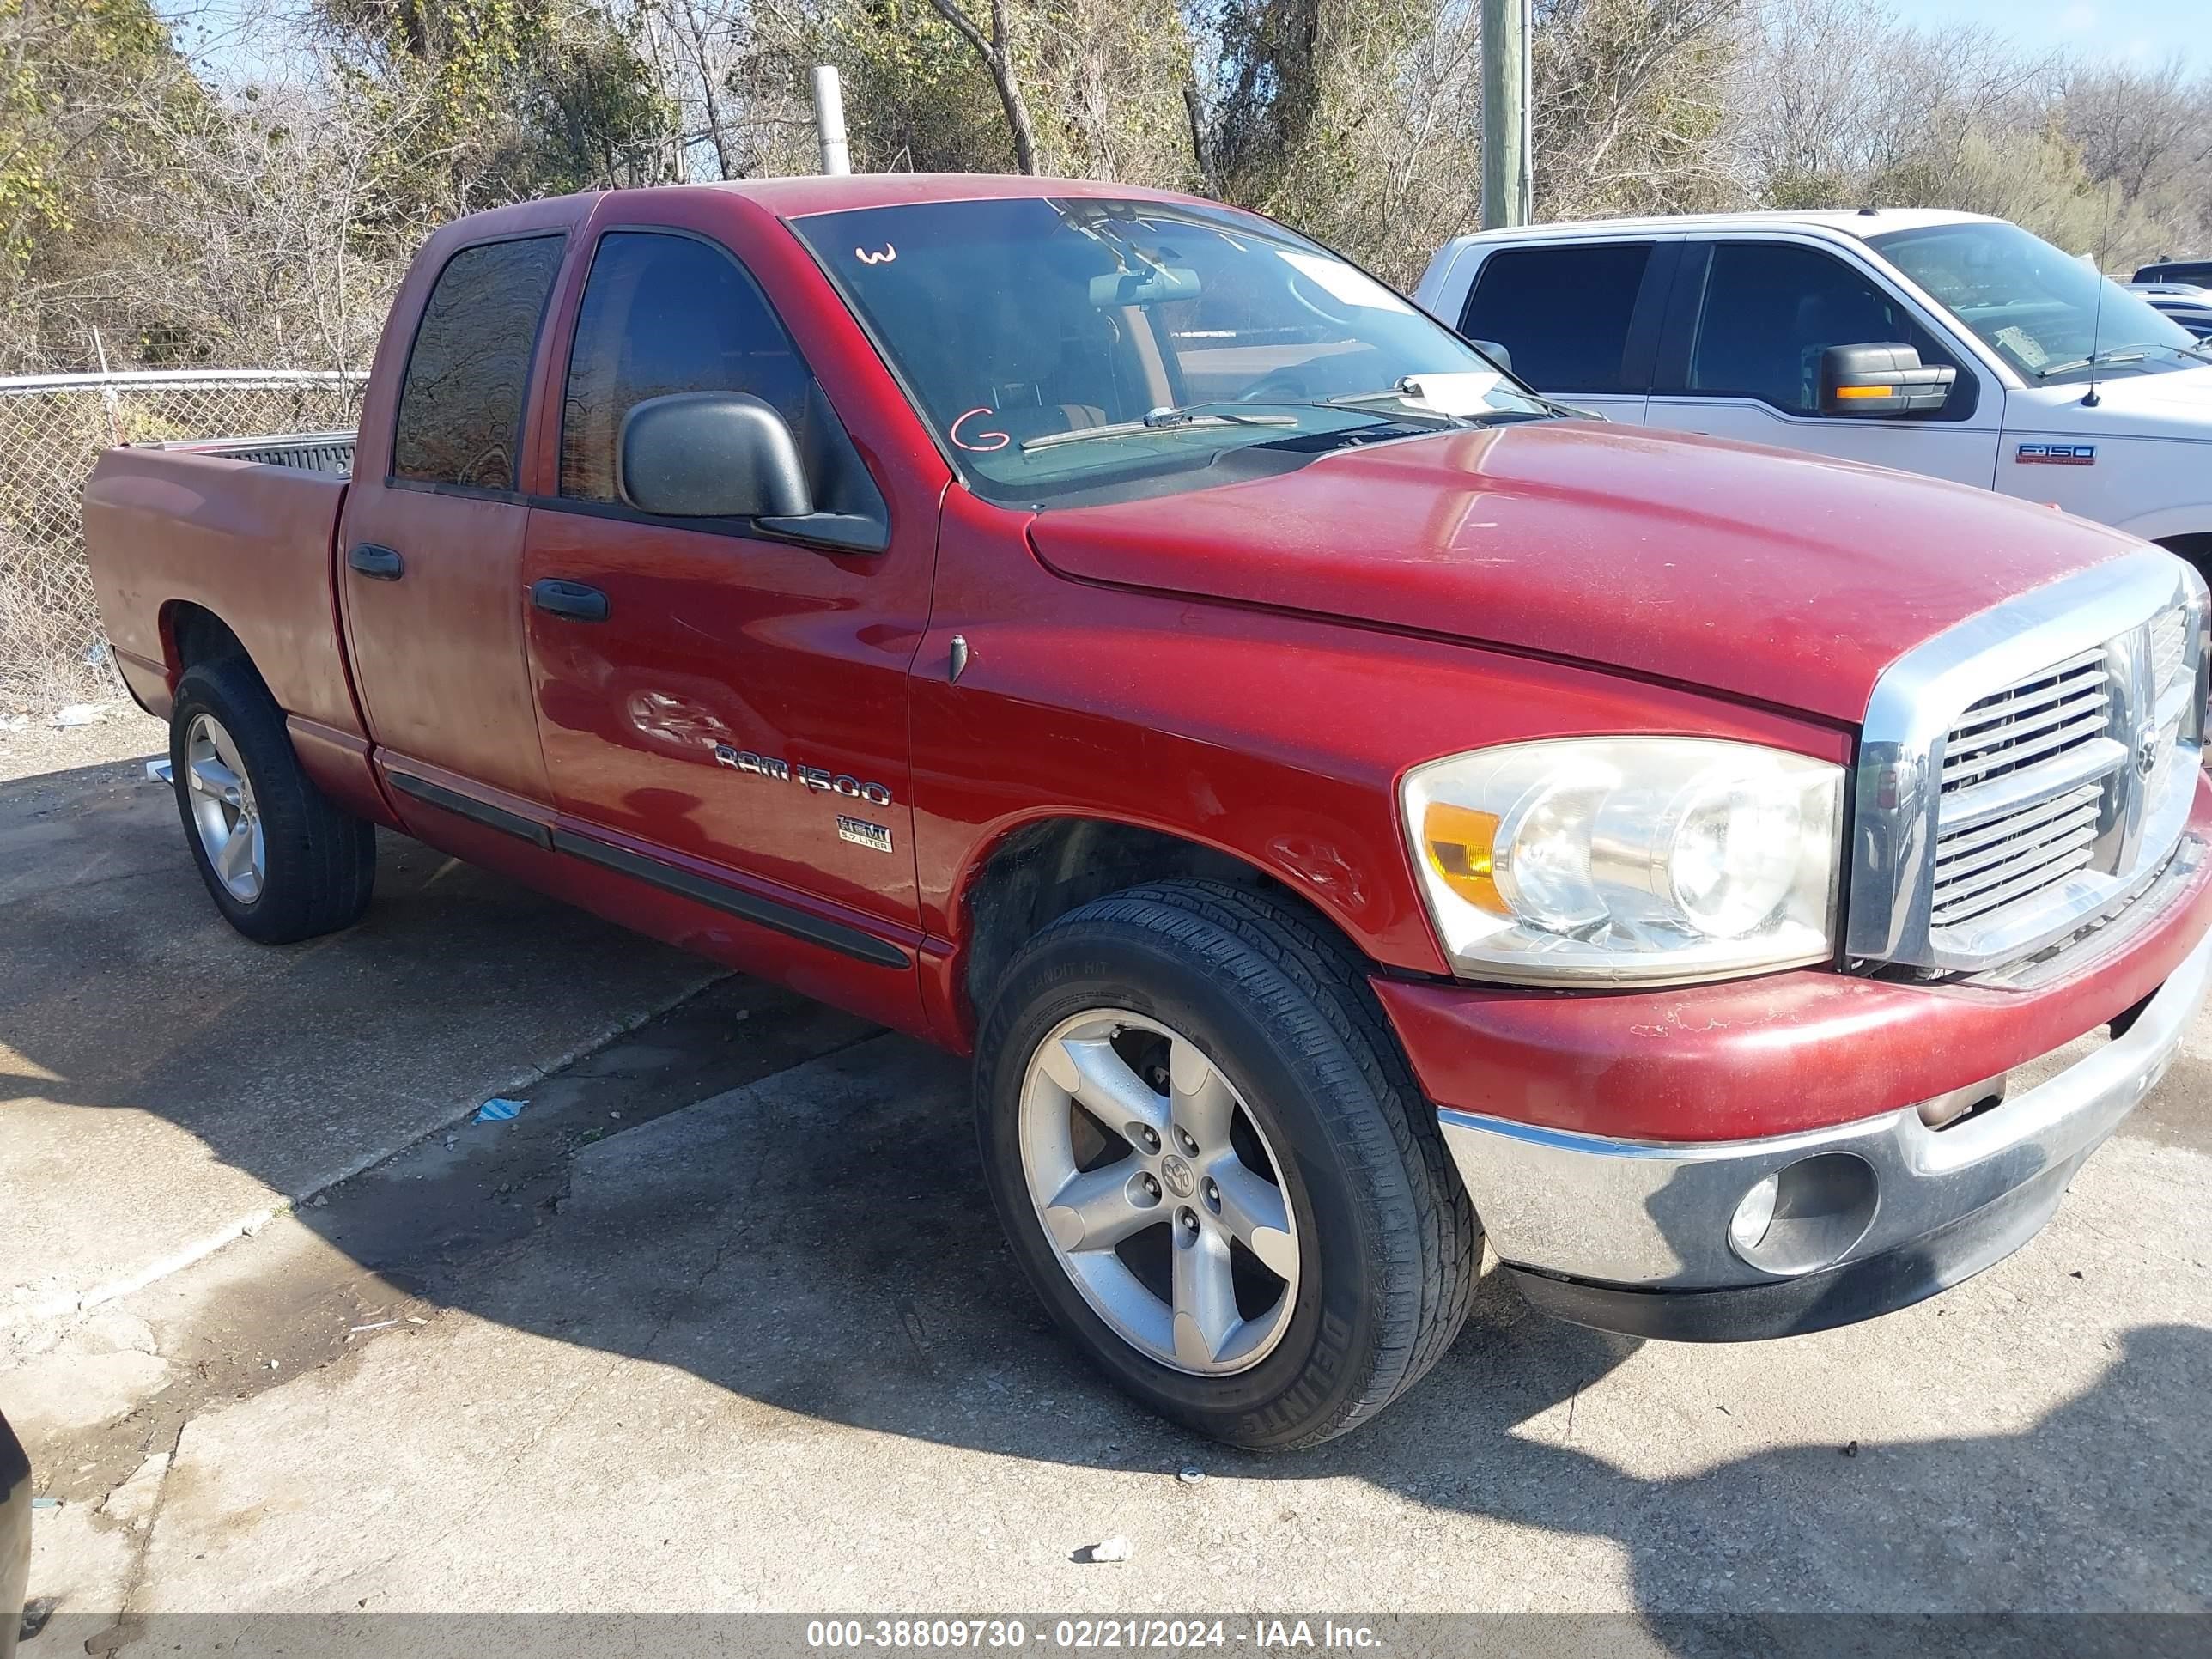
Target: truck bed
pixel 243 530
pixel 309 451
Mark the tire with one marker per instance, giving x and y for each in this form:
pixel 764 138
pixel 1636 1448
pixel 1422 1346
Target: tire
pixel 316 865
pixel 1385 1245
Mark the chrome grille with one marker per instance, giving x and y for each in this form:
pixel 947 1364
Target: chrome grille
pixel 2015 834
pixel 2169 648
pixel 2029 771
pixel 1985 868
pixel 2040 718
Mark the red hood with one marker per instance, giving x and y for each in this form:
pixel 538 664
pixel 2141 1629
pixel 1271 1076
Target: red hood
pixel 1773 576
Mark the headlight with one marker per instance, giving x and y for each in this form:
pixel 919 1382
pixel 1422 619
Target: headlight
pixel 1626 860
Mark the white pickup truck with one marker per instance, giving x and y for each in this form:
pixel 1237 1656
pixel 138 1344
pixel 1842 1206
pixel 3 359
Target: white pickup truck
pixel 2021 370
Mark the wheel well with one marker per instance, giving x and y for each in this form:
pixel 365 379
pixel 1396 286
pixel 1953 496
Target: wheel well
pixel 1044 870
pixel 2196 549
pixel 196 634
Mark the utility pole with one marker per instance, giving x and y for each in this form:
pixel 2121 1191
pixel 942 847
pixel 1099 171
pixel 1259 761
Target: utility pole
pixel 1508 196
pixel 829 119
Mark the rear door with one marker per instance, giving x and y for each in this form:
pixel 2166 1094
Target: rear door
pixel 1741 355
pixel 724 704
pixel 431 562
pixel 1579 318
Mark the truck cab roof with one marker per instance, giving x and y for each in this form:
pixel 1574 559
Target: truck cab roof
pixel 1856 223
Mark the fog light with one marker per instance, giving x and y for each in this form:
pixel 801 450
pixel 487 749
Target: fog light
pixel 1749 1223
pixel 1807 1215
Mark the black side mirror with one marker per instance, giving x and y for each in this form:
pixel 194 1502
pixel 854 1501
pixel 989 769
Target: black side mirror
pixel 1496 353
pixel 1862 380
pixel 710 455
pixel 728 455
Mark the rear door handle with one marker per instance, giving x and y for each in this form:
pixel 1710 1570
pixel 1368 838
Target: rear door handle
pixel 571 599
pixel 377 563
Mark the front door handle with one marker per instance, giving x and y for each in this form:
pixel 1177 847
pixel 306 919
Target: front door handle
pixel 377 563
pixel 571 599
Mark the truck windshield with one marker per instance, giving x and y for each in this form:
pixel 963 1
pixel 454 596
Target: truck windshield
pixel 2036 307
pixel 1065 345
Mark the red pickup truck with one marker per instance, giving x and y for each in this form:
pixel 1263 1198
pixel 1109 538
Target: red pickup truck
pixel 1347 805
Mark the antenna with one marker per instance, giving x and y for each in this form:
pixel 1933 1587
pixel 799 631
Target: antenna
pixel 2097 317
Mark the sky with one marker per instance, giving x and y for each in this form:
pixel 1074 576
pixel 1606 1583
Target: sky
pixel 2137 31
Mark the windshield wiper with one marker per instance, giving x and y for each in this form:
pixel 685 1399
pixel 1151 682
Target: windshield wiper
pixel 2202 351
pixel 2093 358
pixel 1405 394
pixel 1357 400
pixel 1160 420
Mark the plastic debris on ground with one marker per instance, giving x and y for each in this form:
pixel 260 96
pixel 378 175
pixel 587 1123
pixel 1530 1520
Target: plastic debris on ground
pixel 1111 1549
pixel 80 713
pixel 500 1109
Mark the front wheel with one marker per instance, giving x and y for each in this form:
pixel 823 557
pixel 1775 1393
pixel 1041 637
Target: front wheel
pixel 1214 1165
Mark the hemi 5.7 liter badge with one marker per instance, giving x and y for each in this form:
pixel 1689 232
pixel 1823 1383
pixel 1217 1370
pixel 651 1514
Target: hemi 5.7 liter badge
pixel 2057 455
pixel 861 833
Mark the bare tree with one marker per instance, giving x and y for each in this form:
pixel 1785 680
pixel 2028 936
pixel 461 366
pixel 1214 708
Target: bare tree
pixel 997 53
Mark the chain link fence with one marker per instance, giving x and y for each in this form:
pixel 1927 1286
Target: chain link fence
pixel 52 428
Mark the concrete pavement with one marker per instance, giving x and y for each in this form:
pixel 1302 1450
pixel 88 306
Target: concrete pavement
pixel 164 1082
pixel 723 1323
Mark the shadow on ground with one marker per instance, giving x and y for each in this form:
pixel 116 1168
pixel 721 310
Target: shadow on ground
pixel 818 1243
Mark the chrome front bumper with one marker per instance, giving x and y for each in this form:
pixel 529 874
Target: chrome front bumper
pixel 1649 1218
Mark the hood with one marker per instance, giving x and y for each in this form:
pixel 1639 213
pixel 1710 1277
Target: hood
pixel 1767 575
pixel 2174 404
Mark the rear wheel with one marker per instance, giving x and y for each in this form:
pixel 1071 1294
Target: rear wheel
pixel 1213 1163
pixel 280 861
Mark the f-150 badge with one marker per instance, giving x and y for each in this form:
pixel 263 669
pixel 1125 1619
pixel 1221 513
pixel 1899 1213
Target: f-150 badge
pixel 2057 455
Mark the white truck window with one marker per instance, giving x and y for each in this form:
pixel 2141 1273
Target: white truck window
pixel 1563 312
pixel 1771 308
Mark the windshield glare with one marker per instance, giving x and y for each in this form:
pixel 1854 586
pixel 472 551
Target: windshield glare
pixel 1026 318
pixel 2038 308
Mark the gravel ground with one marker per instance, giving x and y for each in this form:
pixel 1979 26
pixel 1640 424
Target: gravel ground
pixel 123 733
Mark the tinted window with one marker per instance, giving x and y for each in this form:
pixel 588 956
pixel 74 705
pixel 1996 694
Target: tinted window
pixel 1562 312
pixel 661 314
pixel 2176 271
pixel 460 408
pixel 1771 308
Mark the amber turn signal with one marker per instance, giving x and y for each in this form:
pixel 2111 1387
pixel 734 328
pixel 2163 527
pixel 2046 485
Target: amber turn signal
pixel 1459 841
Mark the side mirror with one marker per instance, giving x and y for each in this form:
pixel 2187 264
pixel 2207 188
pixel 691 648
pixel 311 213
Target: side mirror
pixel 1862 380
pixel 710 455
pixel 1496 353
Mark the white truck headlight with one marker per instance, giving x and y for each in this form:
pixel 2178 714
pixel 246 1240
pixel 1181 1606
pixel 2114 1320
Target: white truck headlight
pixel 1625 861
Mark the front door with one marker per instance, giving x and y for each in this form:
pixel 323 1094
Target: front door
pixel 1742 360
pixel 431 555
pixel 731 701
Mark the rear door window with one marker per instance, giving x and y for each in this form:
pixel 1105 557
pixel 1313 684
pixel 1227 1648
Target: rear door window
pixel 460 406
pixel 1562 312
